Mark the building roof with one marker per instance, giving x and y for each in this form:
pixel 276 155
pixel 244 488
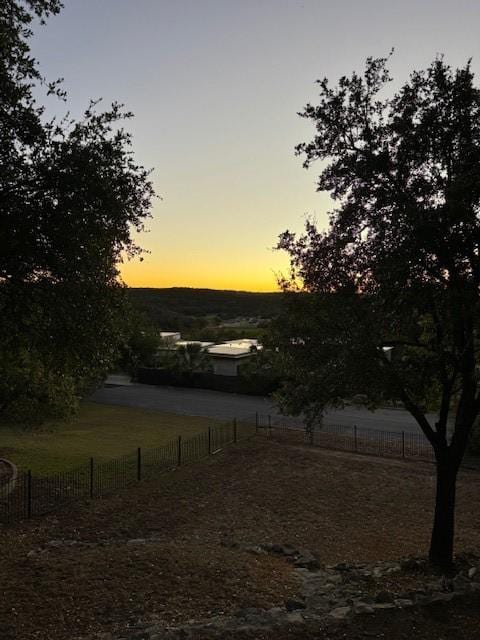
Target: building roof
pixel 243 343
pixel 229 351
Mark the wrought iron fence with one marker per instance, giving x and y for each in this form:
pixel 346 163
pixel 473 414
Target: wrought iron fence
pixel 394 444
pixel 30 495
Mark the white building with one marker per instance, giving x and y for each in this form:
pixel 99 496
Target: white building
pixel 227 357
pixel 170 337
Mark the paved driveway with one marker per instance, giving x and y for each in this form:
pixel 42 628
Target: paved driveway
pixel 225 406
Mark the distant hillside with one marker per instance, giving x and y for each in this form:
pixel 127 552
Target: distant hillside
pixel 180 306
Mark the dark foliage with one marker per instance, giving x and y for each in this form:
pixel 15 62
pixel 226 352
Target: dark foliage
pixel 70 195
pixel 178 307
pixel 399 265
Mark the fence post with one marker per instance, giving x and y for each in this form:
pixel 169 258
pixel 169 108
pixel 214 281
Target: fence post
pixel 235 430
pixel 179 453
pixel 209 441
pixel 355 436
pixel 29 494
pixel 139 464
pixel 403 445
pixel 256 421
pixel 91 477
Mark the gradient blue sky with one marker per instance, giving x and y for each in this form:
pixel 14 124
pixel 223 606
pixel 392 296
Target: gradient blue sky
pixel 215 86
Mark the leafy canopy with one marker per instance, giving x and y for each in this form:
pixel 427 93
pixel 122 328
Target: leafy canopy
pixel 399 263
pixel 70 196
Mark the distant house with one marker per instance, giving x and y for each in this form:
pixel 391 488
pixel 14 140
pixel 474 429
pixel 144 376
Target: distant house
pixel 170 337
pixel 227 357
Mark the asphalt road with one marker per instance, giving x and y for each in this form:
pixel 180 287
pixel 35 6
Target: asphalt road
pixel 225 406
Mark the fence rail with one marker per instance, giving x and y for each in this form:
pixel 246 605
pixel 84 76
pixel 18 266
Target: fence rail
pixel 39 495
pixel 392 444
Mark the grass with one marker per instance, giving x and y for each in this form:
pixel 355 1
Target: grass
pixel 340 506
pixel 99 431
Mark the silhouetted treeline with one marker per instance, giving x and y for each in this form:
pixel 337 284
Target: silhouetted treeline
pixel 182 307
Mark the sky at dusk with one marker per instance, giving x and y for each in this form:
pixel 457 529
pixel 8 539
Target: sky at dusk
pixel 215 86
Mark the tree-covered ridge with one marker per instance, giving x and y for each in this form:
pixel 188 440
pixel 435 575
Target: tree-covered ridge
pixel 170 303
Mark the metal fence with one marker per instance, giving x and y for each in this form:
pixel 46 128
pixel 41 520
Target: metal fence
pixel 392 444
pixel 30 495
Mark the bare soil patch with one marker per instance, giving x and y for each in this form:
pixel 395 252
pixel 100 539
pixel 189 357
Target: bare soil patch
pixel 341 506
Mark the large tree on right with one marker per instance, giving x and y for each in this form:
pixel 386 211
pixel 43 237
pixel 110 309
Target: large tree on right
pixel 398 266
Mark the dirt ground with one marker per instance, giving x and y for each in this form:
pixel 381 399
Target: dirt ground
pixel 340 506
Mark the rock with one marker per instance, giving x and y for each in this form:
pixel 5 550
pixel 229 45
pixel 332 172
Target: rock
pixel 422 599
pixel 384 596
pixel 323 588
pixel 288 551
pixel 341 566
pixel 291 604
pixel 294 617
pixel 341 613
pixel 55 543
pixel 389 570
pixel 472 572
pixel 136 541
pixel 381 606
pixel 413 564
pixel 460 583
pixel 246 612
pixel 334 579
pixel 362 607
pixel 31 553
pixel 257 550
pixel 440 597
pixel 403 603
pixel 318 604
pixel 308 561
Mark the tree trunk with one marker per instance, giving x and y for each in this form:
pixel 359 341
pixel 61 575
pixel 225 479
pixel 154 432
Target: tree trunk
pixel 441 546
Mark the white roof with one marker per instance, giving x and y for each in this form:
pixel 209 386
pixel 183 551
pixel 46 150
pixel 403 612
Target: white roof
pixel 243 343
pixel 229 351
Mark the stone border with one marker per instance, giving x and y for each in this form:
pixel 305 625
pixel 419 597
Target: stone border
pixel 328 593
pixel 9 486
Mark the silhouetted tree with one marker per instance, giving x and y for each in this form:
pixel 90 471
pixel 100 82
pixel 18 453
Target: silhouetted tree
pixel 192 358
pixel 70 195
pixel 400 262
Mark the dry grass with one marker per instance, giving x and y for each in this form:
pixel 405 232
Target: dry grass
pixel 341 506
pixel 101 431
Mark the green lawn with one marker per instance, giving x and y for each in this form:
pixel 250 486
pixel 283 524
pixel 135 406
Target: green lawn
pixel 99 431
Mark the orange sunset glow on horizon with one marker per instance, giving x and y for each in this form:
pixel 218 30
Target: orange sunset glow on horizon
pixel 216 87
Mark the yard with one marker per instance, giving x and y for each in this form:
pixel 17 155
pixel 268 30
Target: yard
pixel 340 506
pixel 99 431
